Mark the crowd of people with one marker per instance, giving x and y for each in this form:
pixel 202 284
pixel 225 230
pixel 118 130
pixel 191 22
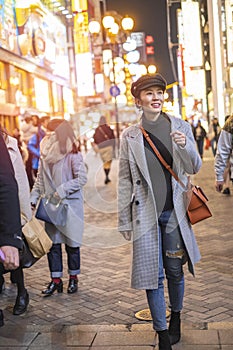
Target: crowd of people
pixel 47 162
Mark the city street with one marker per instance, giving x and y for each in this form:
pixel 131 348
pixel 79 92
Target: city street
pixel 105 299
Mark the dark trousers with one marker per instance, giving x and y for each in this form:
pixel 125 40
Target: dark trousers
pixel 56 264
pixel 200 146
pixel 17 277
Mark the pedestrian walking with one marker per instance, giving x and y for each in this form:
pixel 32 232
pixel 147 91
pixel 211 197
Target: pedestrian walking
pixel 151 208
pixel 213 134
pixel 21 144
pixel 34 143
pixel 17 275
pixel 10 225
pixel 61 177
pixel 224 154
pixel 199 135
pixel 28 128
pixel 104 138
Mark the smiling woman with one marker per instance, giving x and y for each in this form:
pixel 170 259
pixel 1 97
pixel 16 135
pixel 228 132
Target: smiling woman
pixel 151 210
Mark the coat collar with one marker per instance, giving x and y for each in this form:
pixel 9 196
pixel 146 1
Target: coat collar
pixel 136 144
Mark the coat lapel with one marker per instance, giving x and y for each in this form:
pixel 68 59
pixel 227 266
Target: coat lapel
pixel 136 144
pixel 135 141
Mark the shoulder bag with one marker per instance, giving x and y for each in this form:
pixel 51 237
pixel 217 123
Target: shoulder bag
pixel 52 212
pixel 36 243
pixel 195 199
pixel 50 209
pixel 37 238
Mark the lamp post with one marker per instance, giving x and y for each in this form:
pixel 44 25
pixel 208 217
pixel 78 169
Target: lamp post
pixel 110 36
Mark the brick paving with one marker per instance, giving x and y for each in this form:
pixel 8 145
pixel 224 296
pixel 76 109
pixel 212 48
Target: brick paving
pixel 105 297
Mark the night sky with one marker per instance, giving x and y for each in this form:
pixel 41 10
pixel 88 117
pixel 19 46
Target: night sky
pixel 150 17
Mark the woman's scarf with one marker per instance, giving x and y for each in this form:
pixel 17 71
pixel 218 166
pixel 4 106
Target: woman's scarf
pixel 50 149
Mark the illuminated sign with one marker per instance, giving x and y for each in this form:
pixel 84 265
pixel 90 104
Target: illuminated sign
pixel 85 77
pixel 193 56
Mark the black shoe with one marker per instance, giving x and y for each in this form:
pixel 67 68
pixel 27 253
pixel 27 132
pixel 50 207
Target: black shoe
pixel 164 340
pixel 1 319
pixel 21 304
pixel 107 180
pixel 73 286
pixel 226 191
pixel 52 287
pixel 2 284
pixel 174 327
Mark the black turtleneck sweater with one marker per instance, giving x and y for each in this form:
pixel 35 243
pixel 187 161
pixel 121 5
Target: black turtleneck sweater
pixel 159 132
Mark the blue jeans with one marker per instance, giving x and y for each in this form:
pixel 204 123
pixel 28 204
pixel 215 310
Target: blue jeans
pixel 172 256
pixel 200 146
pixel 55 260
pixel 213 144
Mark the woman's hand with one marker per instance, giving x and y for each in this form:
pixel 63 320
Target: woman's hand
pixel 11 257
pixel 219 185
pixel 56 196
pixel 179 138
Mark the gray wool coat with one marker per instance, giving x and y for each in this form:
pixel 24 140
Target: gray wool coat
pixel 68 178
pixel 137 205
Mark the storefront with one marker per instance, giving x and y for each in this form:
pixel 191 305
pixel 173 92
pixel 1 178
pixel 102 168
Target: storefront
pixel 34 64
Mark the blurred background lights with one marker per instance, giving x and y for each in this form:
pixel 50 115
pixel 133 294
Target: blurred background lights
pixel 143 69
pixel 152 69
pixel 127 23
pixel 133 56
pixel 108 22
pixel 130 44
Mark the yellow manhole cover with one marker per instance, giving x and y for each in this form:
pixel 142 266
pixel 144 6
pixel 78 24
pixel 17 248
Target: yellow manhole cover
pixel 145 315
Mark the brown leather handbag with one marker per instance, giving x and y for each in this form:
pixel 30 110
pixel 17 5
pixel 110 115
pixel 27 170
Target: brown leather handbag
pixel 195 198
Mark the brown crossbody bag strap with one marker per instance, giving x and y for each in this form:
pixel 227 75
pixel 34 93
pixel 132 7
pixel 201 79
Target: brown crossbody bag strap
pixel 161 159
pixel 103 133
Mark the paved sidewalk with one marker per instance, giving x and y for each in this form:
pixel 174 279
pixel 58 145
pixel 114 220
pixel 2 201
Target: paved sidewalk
pixel 101 314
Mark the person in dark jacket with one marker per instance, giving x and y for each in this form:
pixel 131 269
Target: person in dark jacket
pixel 10 224
pixel 200 135
pixel 104 138
pixel 17 276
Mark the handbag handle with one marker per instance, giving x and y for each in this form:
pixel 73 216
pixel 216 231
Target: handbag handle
pixel 161 159
pixel 47 175
pixel 51 184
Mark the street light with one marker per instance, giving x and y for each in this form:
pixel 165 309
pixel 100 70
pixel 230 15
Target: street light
pixel 110 35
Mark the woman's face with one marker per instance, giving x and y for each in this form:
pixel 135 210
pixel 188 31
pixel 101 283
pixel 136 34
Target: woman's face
pixel 151 100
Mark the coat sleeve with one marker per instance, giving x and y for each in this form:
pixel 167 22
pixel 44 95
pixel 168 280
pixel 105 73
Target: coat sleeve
pixel 33 145
pixel 125 189
pixel 79 177
pixel 224 150
pixel 191 160
pixel 22 181
pixel 10 225
pixel 38 187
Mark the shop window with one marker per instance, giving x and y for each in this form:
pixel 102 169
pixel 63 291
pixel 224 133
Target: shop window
pixel 19 86
pixel 42 95
pixel 3 80
pixel 57 98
